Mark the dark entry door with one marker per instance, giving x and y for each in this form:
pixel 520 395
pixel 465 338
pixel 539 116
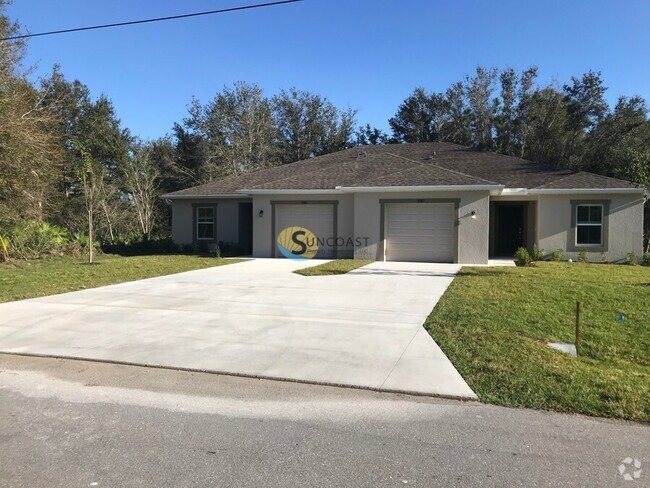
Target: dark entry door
pixel 510 233
pixel 246 227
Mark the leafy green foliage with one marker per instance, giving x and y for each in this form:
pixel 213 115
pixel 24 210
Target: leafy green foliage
pixel 537 254
pixel 557 255
pixel 583 257
pixel 33 239
pixel 645 260
pixel 494 323
pixel 631 259
pixel 522 257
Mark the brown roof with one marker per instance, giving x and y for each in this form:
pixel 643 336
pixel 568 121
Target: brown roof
pixel 422 164
pixel 584 180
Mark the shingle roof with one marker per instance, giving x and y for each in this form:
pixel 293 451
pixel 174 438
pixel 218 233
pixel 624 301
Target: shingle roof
pixel 584 180
pixel 422 164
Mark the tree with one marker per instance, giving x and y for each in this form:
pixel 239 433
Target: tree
pixel 140 178
pixel 482 105
pixel 419 117
pixel 505 120
pixel 456 127
pixel 92 184
pixel 29 155
pixel 240 129
pixel 548 120
pixel 523 110
pixel 91 125
pixel 310 125
pixel 372 136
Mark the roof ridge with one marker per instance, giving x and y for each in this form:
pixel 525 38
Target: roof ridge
pixel 368 180
pixel 445 169
pixel 575 173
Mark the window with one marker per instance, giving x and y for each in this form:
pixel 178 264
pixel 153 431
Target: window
pixel 205 223
pixel 589 225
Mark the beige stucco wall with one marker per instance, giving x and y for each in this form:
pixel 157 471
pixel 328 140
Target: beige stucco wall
pixel 625 229
pixel 227 219
pixel 263 241
pixel 472 243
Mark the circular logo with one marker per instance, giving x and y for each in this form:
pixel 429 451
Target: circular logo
pixel 297 243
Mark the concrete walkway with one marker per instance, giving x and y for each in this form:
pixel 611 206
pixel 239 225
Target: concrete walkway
pixel 255 318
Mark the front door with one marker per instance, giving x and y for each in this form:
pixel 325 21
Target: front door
pixel 510 225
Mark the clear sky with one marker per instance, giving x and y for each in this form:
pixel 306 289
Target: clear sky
pixel 366 54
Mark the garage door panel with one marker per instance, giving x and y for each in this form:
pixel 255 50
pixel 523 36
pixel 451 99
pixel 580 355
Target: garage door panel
pixel 419 232
pixel 319 219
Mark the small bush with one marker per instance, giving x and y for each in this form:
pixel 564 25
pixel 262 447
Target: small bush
pixel 537 254
pixel 557 255
pixel 583 257
pixel 216 253
pixel 522 257
pixel 631 259
pixel 645 260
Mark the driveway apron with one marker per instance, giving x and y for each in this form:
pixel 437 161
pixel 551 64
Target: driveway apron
pixel 255 318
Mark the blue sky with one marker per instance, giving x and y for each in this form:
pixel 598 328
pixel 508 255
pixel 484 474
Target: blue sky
pixel 366 54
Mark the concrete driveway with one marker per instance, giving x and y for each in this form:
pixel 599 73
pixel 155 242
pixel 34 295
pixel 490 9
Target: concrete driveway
pixel 255 318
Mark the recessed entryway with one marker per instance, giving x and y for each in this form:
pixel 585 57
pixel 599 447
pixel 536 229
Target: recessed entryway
pixel 511 227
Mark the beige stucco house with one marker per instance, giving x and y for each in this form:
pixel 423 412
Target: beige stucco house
pixel 435 202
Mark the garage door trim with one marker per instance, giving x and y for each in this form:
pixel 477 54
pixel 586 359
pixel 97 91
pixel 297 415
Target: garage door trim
pixel 335 218
pixel 382 219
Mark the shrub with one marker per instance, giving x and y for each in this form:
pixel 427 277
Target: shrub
pixel 582 256
pixel 557 255
pixel 80 243
pixel 631 259
pixel 216 253
pixel 35 239
pixel 138 247
pixel 645 260
pixel 537 254
pixel 522 257
pixel 232 249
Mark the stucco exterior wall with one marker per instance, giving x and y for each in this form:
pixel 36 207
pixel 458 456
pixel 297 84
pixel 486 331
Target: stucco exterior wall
pixel 263 241
pixel 624 230
pixel 472 239
pixel 227 219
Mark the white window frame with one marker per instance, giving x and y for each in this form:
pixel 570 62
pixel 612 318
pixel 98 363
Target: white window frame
pixel 600 224
pixel 211 222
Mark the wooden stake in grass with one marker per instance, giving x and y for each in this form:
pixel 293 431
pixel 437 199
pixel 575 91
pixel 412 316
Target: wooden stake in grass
pixel 577 342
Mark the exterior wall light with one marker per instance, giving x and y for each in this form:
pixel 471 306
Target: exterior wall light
pixel 261 214
pixel 473 214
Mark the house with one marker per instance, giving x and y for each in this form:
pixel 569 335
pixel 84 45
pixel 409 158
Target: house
pixel 437 202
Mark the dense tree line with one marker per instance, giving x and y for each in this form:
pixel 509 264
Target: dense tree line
pixel 66 160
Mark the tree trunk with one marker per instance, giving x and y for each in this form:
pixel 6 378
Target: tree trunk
pixel 90 237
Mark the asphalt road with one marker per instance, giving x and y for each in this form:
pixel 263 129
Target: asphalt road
pixel 80 424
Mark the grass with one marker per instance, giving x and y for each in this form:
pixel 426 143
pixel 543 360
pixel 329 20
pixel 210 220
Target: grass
pixel 48 276
pixel 493 323
pixel 336 267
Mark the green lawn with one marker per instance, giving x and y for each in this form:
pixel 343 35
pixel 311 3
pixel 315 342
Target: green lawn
pixel 336 267
pixel 40 277
pixel 493 324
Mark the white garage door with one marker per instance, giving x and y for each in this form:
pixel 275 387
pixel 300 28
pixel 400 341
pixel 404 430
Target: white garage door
pixel 319 219
pixel 419 232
